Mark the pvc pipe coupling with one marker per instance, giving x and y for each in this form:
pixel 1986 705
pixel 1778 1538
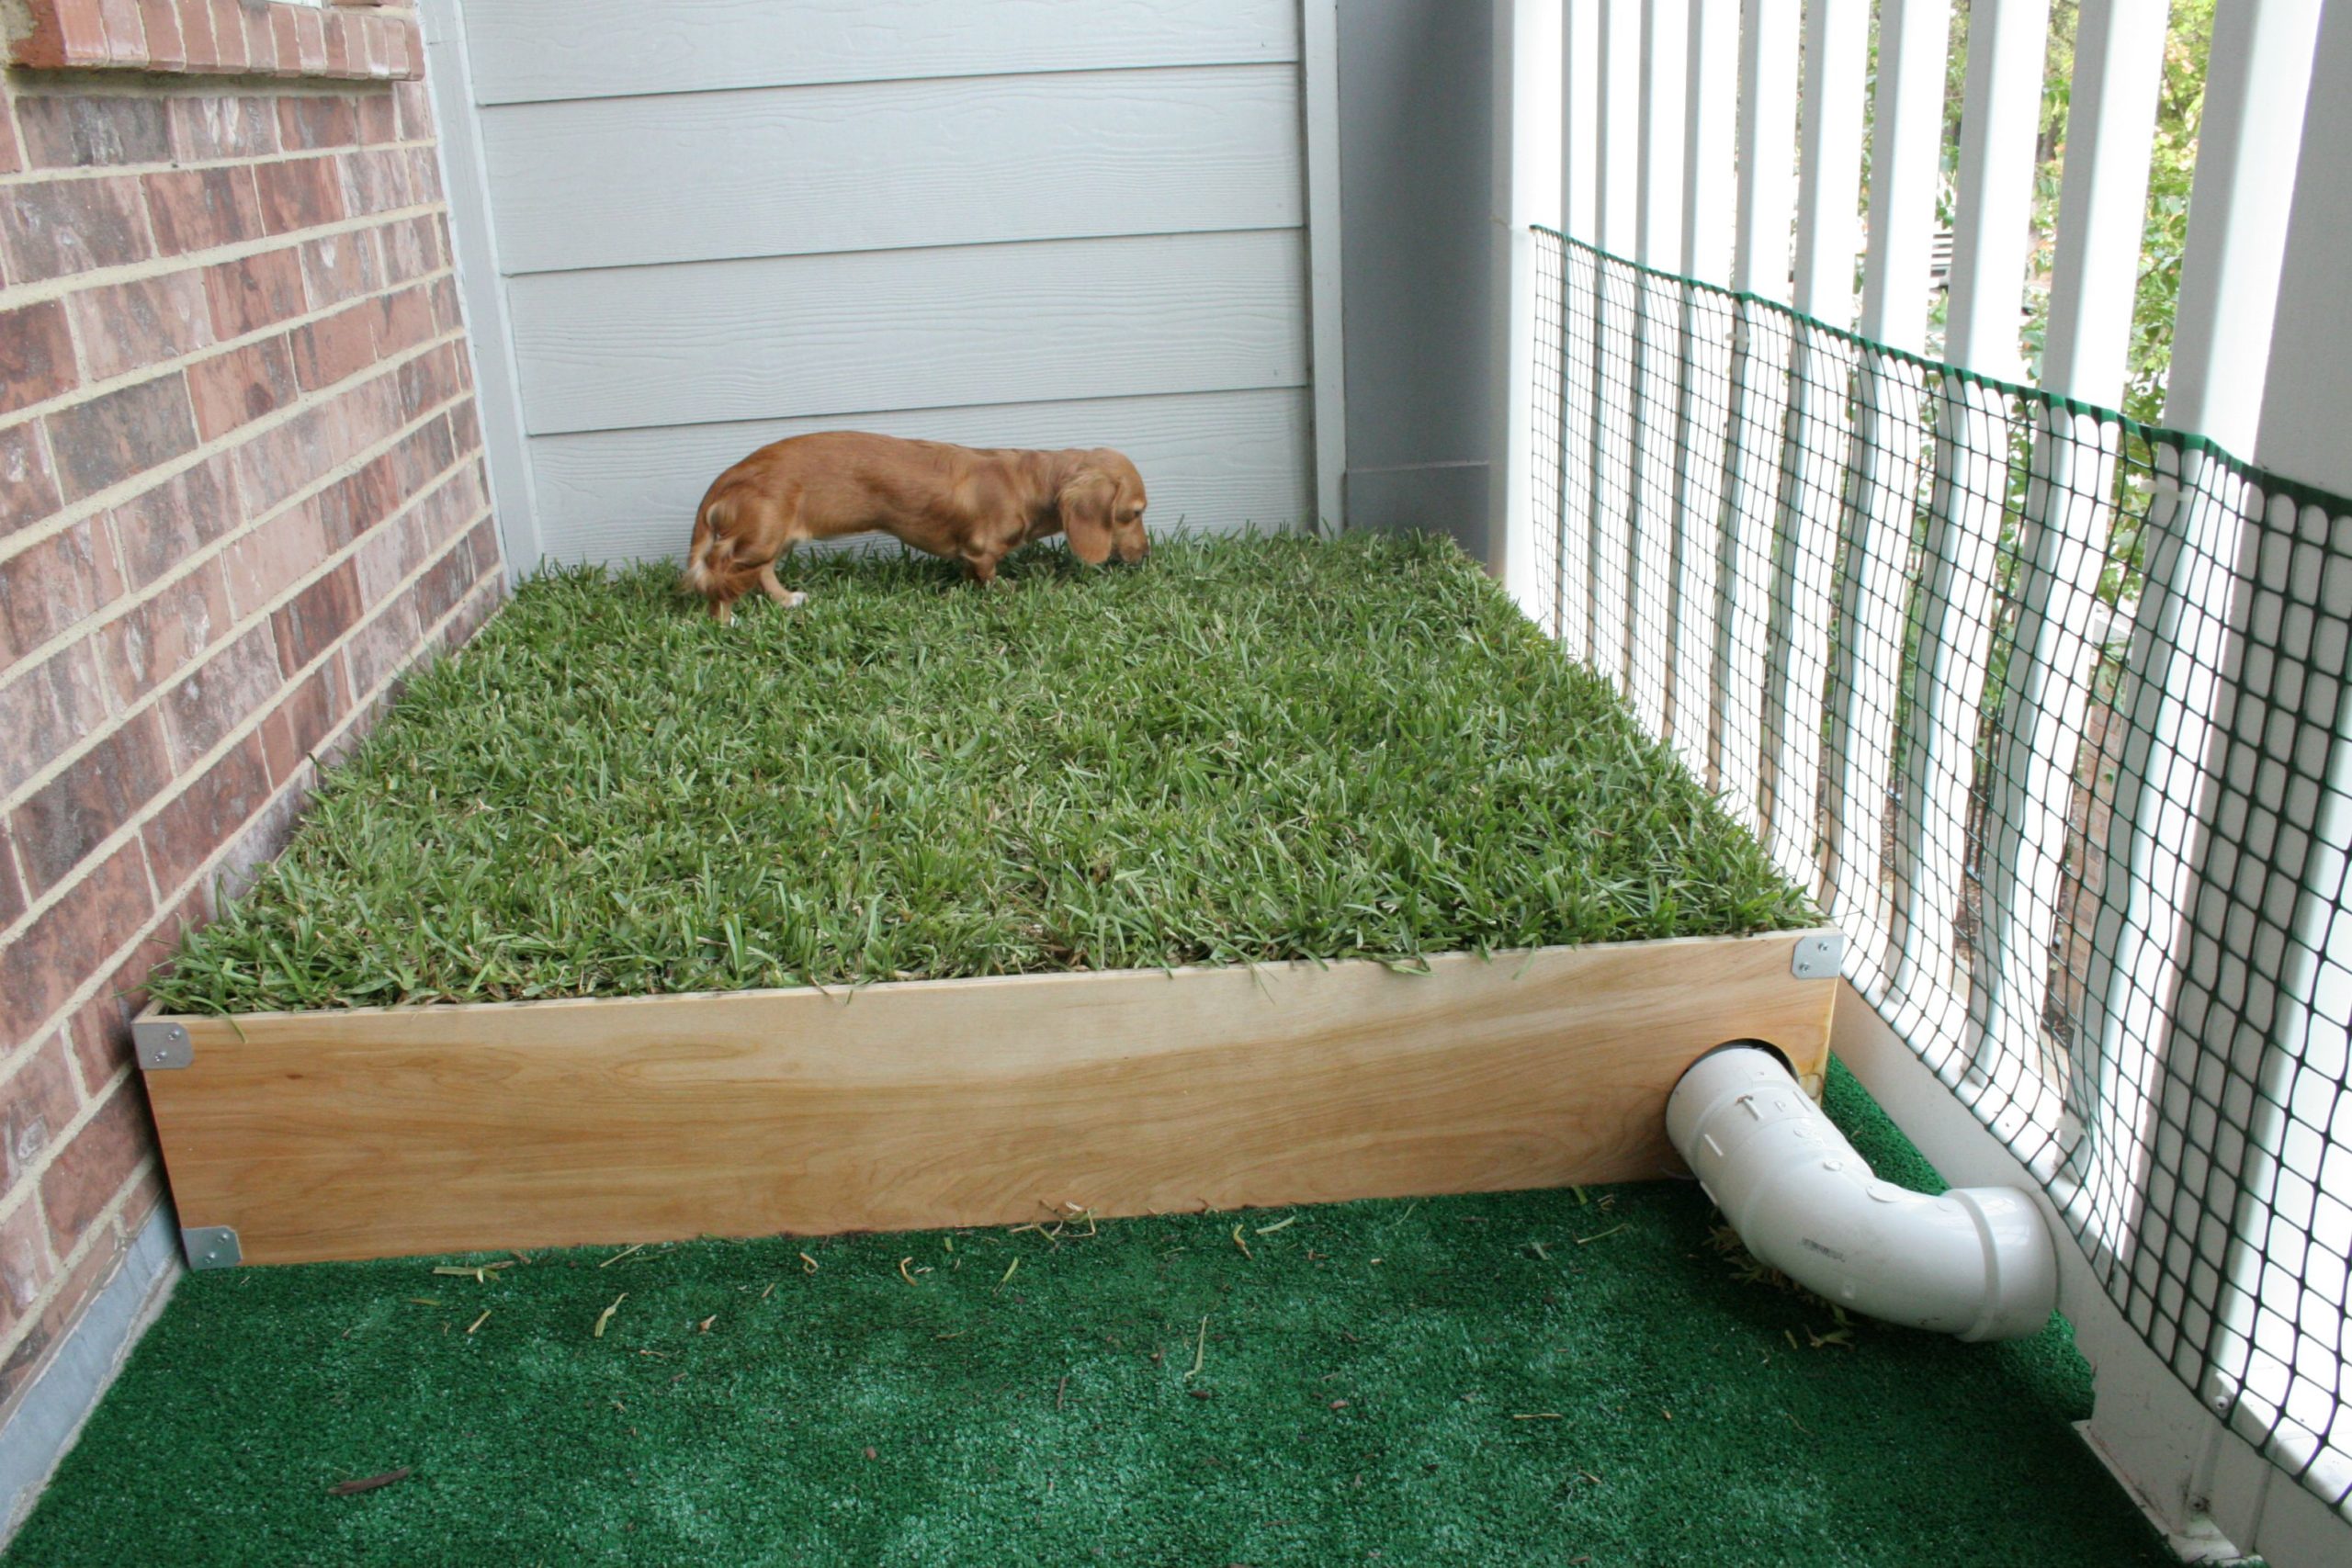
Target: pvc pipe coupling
pixel 1977 1261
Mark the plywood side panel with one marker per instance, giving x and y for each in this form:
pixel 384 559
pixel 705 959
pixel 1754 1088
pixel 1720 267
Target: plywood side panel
pixel 356 1134
pixel 841 335
pixel 1215 461
pixel 580 49
pixel 873 166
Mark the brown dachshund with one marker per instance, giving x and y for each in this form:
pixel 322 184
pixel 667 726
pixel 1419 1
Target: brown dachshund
pixel 975 505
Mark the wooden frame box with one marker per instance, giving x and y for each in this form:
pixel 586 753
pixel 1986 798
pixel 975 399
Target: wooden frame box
pixel 377 1133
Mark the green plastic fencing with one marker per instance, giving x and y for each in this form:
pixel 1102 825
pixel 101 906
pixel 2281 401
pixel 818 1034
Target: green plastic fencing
pixel 2049 710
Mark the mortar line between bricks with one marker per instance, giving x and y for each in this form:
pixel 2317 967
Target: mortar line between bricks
pixel 191 562
pixel 61 1269
pixel 81 174
pixel 126 491
pixel 76 174
pixel 309 773
pixel 28 1179
pixel 180 82
pixel 98 501
pixel 130 487
pixel 401 20
pixel 40 779
pixel 117 82
pixel 64 285
pixel 198 766
pixel 427 642
pixel 248 621
pixel 195 561
pixel 84 993
pixel 22 296
pixel 16 865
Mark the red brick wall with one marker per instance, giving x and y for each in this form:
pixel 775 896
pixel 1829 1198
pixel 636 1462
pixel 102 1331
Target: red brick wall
pixel 240 490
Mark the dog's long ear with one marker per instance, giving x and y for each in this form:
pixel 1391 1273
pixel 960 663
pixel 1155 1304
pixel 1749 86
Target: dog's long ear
pixel 1086 502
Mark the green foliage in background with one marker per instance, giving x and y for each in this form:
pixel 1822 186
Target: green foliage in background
pixel 2180 111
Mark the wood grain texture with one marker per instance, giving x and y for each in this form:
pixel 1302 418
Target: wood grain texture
pixel 874 166
pixel 1215 461
pixel 576 49
pixel 841 335
pixel 372 1134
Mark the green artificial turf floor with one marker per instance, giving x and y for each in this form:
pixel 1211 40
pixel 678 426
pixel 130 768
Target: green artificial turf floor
pixel 1550 1378
pixel 1243 750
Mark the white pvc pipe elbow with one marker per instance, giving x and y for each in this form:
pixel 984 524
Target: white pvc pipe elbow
pixel 1978 1262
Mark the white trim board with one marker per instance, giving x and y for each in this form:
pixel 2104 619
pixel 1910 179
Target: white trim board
pixel 1320 67
pixel 1528 55
pixel 481 291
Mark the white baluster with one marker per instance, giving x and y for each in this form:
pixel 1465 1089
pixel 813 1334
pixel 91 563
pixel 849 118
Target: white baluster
pixel 2007 42
pixel 1760 367
pixel 2061 627
pixel 1906 145
pixel 1819 432
pixel 1711 89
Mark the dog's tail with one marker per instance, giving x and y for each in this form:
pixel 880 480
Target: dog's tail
pixel 712 569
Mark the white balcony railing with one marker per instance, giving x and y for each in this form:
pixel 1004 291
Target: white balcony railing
pixel 2042 704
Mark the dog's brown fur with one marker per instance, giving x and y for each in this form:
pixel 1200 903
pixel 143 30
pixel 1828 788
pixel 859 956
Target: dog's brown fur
pixel 975 505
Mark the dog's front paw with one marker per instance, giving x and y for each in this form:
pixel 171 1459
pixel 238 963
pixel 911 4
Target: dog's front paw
pixel 794 600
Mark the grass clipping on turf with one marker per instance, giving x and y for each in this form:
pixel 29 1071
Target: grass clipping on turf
pixel 1245 751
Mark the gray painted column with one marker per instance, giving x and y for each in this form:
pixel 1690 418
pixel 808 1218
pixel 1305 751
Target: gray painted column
pixel 1415 120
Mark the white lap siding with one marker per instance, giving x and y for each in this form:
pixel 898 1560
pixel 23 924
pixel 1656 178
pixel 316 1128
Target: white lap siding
pixel 1035 222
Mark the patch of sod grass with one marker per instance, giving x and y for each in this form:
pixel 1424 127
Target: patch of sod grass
pixel 1363 1373
pixel 1244 750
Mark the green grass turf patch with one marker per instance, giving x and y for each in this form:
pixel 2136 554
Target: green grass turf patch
pixel 1245 751
pixel 1361 1376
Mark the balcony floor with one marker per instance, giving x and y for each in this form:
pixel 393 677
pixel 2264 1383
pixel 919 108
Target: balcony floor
pixel 1546 1377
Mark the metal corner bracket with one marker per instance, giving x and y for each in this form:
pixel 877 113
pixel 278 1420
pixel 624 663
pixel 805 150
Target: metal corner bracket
pixel 1820 956
pixel 161 1043
pixel 212 1247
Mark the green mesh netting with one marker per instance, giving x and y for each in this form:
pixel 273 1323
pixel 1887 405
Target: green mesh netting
pixel 2049 708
